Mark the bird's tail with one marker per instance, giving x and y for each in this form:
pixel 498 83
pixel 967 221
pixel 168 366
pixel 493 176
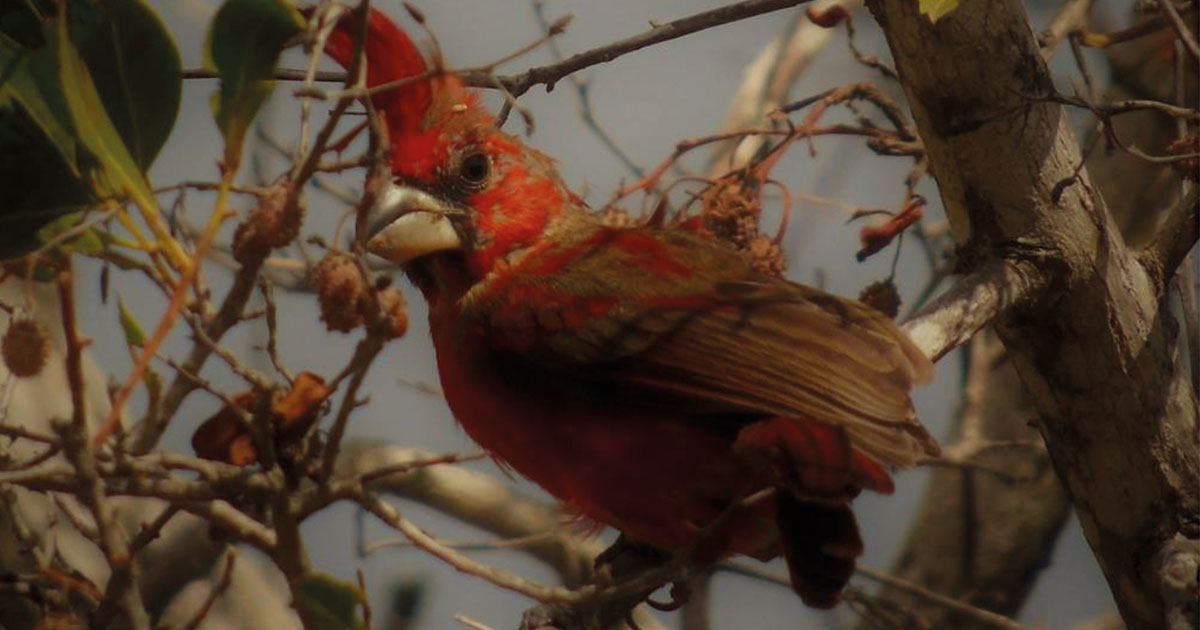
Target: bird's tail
pixel 816 471
pixel 820 543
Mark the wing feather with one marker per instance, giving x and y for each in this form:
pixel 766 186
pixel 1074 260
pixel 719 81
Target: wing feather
pixel 720 333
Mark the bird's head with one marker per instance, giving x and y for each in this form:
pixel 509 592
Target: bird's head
pixel 460 186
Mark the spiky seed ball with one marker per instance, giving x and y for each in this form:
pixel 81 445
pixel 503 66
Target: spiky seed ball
pixel 730 212
pixel 394 311
pixel 883 297
pixel 766 256
pixel 25 348
pixel 274 223
pixel 341 288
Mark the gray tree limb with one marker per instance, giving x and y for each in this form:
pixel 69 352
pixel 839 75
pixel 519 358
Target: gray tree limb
pixel 1096 350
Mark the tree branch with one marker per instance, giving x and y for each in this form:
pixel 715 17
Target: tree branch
pixel 1123 447
pixel 89 488
pixel 1174 240
pixel 972 302
pixel 1071 17
pixel 549 75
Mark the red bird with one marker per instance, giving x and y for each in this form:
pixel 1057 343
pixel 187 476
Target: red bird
pixel 649 378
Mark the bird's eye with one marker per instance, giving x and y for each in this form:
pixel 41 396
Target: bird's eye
pixel 474 169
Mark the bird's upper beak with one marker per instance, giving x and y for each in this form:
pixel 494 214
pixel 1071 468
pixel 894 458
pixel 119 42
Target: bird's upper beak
pixel 407 223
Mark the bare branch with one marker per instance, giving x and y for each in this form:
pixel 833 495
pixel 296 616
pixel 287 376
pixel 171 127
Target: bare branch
pixel 217 590
pixel 1174 240
pixel 1071 17
pixel 1099 318
pixel 549 75
pixel 989 618
pixel 766 83
pixel 971 303
pixel 1181 28
pixel 122 583
pixel 424 541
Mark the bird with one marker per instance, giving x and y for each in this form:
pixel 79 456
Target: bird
pixel 647 376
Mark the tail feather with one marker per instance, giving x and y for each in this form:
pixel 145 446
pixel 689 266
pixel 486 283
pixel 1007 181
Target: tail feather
pixel 810 459
pixel 820 543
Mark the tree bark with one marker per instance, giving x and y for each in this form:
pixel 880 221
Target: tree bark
pixel 1097 351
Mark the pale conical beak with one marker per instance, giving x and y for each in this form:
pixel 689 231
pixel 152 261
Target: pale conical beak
pixel 407 223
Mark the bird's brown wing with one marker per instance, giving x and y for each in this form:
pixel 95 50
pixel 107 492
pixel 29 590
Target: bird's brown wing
pixel 670 312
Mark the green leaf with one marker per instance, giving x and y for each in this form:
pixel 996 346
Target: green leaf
pixel 134 335
pixel 113 172
pixel 37 185
pixel 936 9
pixel 20 20
pixel 244 42
pixel 29 82
pixel 87 242
pixel 40 180
pixel 136 70
pixel 59 150
pixel 327 603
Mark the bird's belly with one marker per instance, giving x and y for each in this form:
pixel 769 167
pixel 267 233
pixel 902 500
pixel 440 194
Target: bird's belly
pixel 659 477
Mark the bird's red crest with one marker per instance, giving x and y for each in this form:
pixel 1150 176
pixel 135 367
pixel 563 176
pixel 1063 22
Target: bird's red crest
pixel 414 113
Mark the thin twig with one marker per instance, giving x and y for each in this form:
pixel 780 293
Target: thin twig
pixel 217 590
pixel 364 354
pixel 389 515
pixel 551 74
pixel 367 548
pixel 122 583
pixel 583 89
pixel 979 614
pixel 471 623
pixel 281 74
pixel 1124 107
pixel 1181 28
pixel 366 601
pixel 18 432
pixel 974 612
pixel 325 20
pixel 151 530
pixel 1070 19
pixel 1174 240
pixel 273 330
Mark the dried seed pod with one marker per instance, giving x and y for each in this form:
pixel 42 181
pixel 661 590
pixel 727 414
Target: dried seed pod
pixel 25 348
pixel 341 289
pixel 394 310
pixel 882 296
pixel 730 213
pixel 274 223
pixel 766 256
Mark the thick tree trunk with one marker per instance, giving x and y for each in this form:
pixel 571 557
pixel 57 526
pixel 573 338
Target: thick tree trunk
pixel 1097 353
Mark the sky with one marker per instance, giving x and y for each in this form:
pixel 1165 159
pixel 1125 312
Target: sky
pixel 648 101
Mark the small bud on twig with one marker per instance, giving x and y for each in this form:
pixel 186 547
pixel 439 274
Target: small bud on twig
pixel 415 13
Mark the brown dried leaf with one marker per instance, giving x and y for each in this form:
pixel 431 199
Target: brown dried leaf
pixel 224 438
pixel 297 409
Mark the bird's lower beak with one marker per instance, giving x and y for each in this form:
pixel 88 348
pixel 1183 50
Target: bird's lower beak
pixel 408 223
